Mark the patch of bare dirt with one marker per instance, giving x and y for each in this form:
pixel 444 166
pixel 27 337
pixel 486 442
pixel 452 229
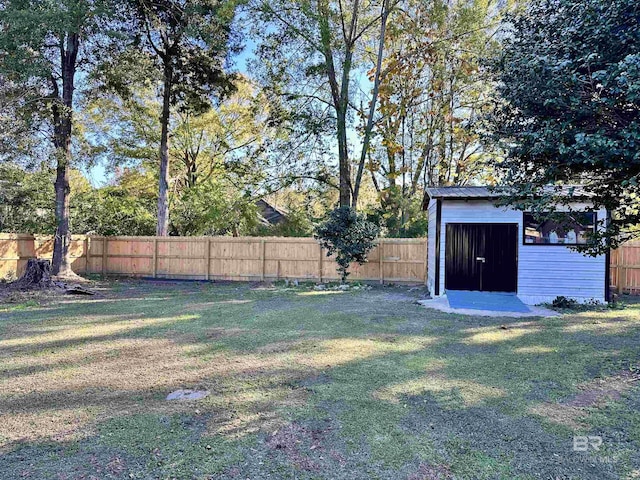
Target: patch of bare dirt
pixel 39 297
pixel 9 295
pixel 431 472
pixel 303 446
pixel 570 411
pixel 266 286
pixel 604 389
pixel 116 466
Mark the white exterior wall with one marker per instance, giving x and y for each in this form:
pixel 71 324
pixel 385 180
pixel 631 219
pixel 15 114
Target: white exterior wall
pixel 544 271
pixel 431 248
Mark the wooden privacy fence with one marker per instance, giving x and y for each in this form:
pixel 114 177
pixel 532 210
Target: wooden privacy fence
pixel 16 249
pixel 252 258
pixel 219 258
pixel 625 268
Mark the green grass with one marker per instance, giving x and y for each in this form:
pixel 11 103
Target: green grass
pixel 306 384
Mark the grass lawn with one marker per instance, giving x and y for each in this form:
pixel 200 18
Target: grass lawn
pixel 311 384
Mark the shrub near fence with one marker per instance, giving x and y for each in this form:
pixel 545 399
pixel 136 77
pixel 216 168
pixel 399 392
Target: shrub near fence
pixel 219 258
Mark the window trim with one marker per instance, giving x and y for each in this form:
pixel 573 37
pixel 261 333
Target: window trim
pixel 524 227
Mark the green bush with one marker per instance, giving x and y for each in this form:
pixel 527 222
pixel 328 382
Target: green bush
pixel 564 302
pixel 348 235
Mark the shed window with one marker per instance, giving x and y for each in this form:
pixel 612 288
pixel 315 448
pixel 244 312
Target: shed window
pixel 571 228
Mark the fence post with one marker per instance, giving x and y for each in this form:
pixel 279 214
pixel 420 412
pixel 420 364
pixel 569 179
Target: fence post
pixel 105 246
pixel 263 261
pixel 320 264
pixel 208 247
pixel 618 280
pixel 155 257
pixel 87 268
pixel 381 253
pixel 426 262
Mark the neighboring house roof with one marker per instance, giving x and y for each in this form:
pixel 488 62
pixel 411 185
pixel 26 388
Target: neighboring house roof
pixel 270 215
pixel 486 192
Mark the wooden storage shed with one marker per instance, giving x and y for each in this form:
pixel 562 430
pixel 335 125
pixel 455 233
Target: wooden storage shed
pixel 475 245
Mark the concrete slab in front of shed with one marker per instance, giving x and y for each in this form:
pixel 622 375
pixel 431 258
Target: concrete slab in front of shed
pixel 485 308
pixel 490 301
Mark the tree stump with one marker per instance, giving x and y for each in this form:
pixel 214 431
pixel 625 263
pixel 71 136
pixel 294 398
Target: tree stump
pixel 37 275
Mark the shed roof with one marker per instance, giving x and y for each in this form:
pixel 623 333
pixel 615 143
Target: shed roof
pixel 461 192
pixel 485 192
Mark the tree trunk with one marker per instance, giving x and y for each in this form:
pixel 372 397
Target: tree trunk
pixel 63 120
pixel 163 187
pixel 343 159
pixel 61 264
pixel 341 115
pixel 372 105
pixel 339 92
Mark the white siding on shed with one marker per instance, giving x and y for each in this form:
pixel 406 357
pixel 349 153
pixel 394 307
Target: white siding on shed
pixel 544 271
pixel 431 248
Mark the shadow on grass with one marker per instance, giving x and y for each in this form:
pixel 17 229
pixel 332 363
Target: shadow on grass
pixel 378 388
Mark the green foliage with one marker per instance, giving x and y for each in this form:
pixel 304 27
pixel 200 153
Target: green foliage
pixel 183 44
pixel 117 131
pixel 349 235
pixel 431 91
pixel 112 211
pixel 309 57
pixel 26 200
pixel 563 302
pixel 217 158
pixel 42 46
pixel 213 208
pixel 125 207
pixel 401 216
pixel 296 224
pixel 47 48
pixel 569 82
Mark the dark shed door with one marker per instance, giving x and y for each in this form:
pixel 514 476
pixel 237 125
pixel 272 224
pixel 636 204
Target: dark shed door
pixel 481 256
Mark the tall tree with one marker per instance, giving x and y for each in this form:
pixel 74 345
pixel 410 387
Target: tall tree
pixel 44 47
pixel 569 111
pixel 187 41
pixel 224 151
pixel 432 89
pixel 311 55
